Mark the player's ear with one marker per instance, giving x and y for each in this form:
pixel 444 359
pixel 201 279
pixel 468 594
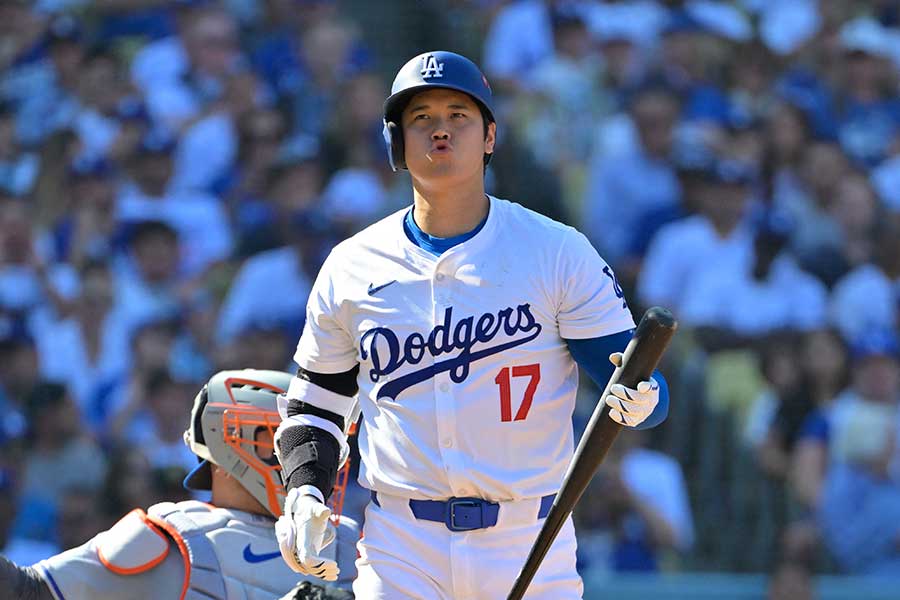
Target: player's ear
pixel 490 138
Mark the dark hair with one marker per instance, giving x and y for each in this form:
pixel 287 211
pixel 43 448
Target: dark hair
pixel 562 19
pixel 158 380
pixel 655 85
pixel 93 265
pixel 143 230
pixel 485 118
pixel 44 396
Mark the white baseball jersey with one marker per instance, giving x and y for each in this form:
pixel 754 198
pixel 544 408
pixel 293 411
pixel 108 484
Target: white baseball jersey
pixel 466 384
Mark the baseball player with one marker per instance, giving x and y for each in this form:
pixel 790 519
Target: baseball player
pixel 193 550
pixel 455 327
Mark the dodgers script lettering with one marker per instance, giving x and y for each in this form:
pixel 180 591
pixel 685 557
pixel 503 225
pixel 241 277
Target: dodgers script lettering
pixel 467 335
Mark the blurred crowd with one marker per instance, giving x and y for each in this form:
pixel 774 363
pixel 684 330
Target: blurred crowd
pixel 173 173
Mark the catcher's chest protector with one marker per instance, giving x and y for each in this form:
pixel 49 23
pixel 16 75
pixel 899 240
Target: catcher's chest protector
pixel 232 554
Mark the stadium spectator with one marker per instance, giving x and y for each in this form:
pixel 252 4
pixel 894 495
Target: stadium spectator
pixel 250 301
pixel 328 49
pixel 204 230
pixel 787 136
pixel 87 348
pixel 150 355
pixel 868 113
pixel 566 83
pixel 62 456
pixel 262 131
pixel 19 373
pixel 294 186
pixel 865 299
pixel 520 36
pixel 857 212
pixel 622 189
pixel 46 88
pixel 875 382
pixel 718 235
pixel 87 231
pixel 861 497
pixel 817 239
pixel 686 65
pixel 778 412
pixel 101 90
pixel 153 420
pixel 148 286
pixel 732 304
pixel 30 285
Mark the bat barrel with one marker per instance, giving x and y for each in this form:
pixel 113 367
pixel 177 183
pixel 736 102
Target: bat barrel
pixel 641 356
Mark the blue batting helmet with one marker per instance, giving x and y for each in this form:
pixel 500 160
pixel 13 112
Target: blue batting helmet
pixel 438 69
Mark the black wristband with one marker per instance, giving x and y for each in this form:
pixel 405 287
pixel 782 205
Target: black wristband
pixel 309 456
pixel 339 383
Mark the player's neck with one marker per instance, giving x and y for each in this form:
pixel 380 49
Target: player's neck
pixel 450 213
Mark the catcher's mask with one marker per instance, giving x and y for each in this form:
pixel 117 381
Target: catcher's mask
pixel 233 423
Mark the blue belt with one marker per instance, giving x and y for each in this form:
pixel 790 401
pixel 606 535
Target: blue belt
pixel 464 514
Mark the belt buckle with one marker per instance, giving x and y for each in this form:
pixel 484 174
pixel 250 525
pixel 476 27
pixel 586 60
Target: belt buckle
pixel 450 517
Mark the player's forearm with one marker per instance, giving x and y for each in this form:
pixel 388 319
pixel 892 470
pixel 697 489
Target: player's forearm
pixel 21 583
pixel 308 456
pixel 310 442
pixel 592 355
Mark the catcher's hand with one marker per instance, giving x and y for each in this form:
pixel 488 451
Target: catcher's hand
pixel 313 591
pixel 302 532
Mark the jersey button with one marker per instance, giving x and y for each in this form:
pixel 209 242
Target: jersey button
pixel 445 387
pixel 439 276
pixel 447 442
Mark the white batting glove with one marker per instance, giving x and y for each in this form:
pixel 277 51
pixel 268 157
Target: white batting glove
pixel 629 406
pixel 303 531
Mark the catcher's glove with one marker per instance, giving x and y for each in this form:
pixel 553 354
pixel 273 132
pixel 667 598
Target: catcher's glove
pixel 314 591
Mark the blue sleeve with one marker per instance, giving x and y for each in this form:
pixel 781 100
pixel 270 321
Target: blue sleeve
pixel 592 355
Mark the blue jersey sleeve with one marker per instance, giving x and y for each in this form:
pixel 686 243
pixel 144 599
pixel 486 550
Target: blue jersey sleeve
pixel 592 355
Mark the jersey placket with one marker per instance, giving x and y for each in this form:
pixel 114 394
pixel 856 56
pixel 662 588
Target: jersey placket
pixel 442 283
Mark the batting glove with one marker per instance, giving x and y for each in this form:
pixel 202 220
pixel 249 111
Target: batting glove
pixel 302 532
pixel 629 406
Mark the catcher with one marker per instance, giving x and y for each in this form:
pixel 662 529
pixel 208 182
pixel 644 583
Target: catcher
pixel 193 550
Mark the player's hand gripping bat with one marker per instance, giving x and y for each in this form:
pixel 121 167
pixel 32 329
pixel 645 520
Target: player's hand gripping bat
pixel 641 357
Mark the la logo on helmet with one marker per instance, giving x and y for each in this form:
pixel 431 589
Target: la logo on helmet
pixel 431 67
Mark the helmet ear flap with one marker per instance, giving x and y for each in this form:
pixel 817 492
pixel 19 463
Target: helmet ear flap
pixel 393 138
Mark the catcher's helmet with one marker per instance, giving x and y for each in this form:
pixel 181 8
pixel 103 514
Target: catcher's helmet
pixel 438 69
pixel 229 414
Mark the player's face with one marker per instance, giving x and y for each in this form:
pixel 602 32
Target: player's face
pixel 444 136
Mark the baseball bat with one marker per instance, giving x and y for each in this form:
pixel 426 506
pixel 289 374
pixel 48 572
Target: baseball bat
pixel 640 358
